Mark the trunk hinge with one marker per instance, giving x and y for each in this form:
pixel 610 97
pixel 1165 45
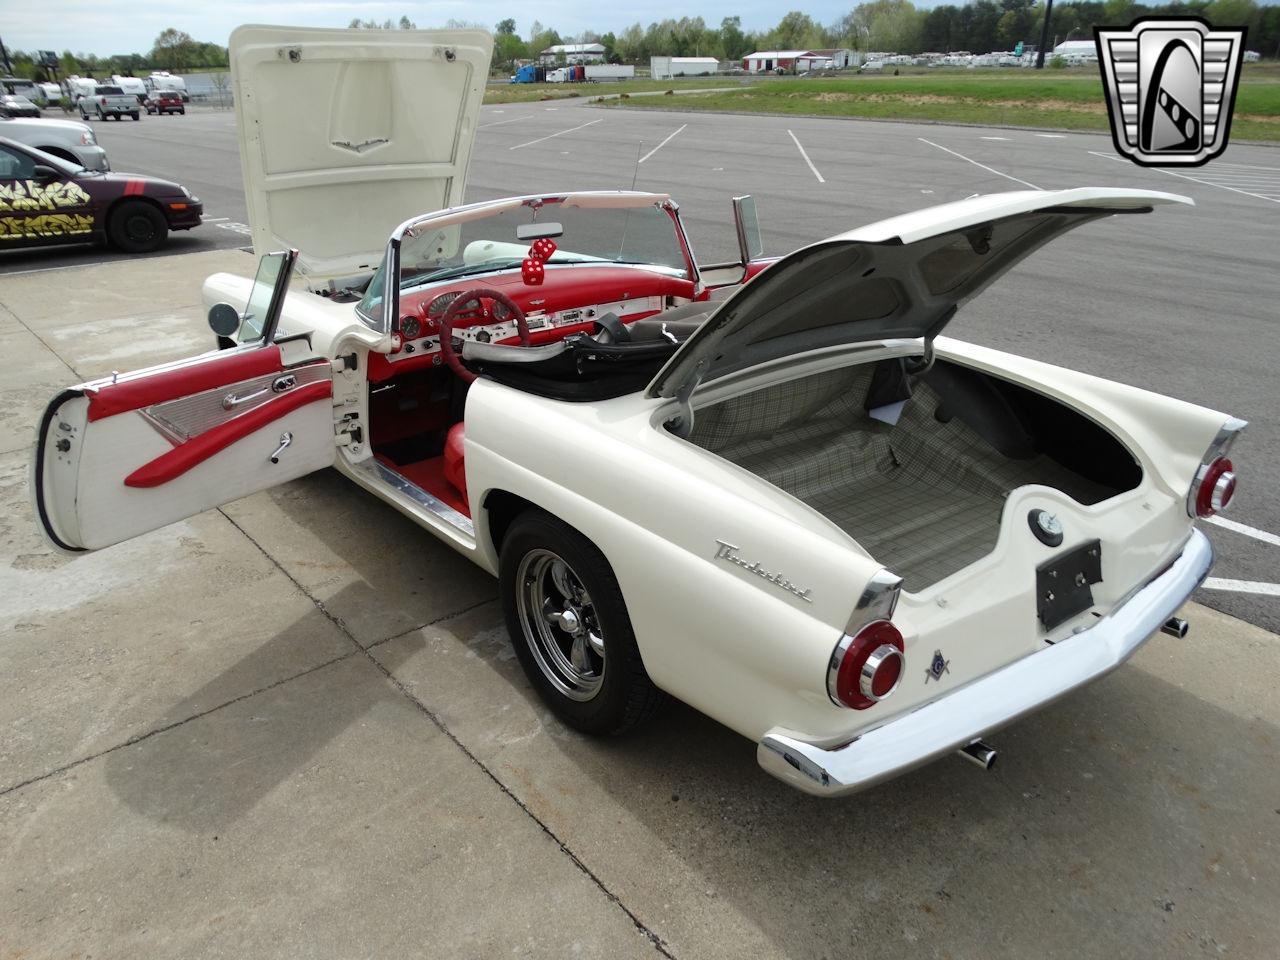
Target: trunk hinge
pixel 682 423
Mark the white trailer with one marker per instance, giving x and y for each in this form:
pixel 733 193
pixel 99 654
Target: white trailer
pixel 610 71
pixel 131 85
pixel 663 68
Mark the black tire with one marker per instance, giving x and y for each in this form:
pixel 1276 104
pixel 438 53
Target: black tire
pixel 135 115
pixel 136 226
pixel 623 695
pixel 183 111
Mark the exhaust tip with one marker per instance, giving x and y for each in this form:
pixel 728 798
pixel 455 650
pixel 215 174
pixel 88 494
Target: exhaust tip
pixel 1176 627
pixel 979 752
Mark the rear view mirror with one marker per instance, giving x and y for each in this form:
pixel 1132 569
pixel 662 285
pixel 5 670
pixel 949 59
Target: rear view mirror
pixel 536 231
pixel 44 174
pixel 224 319
pixel 750 245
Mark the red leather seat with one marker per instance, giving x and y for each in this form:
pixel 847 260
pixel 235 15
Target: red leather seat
pixel 454 468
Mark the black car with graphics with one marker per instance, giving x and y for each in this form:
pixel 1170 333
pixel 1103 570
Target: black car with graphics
pixel 47 200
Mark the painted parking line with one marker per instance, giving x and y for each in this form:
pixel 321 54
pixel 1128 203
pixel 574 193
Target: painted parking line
pixel 977 164
pixel 806 158
pixel 498 123
pixel 1243 586
pixel 552 136
pixel 1202 179
pixel 670 137
pixel 1245 529
pixel 995 138
pixel 1052 136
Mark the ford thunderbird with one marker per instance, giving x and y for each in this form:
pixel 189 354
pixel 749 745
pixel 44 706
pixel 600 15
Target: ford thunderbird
pixel 772 489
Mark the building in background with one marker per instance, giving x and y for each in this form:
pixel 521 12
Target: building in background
pixel 840 57
pixel 572 53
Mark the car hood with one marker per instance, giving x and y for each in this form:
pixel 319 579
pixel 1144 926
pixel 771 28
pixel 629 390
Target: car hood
pixel 344 134
pixel 901 278
pixel 34 125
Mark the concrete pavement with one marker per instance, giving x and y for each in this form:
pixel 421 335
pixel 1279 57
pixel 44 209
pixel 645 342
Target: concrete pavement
pixel 294 727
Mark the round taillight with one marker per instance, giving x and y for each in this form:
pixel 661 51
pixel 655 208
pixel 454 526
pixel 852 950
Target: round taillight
pixel 1216 489
pixel 867 667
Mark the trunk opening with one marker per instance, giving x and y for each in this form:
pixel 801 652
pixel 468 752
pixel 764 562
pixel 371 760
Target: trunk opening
pixel 924 496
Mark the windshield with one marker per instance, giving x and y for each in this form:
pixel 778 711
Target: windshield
pixel 475 243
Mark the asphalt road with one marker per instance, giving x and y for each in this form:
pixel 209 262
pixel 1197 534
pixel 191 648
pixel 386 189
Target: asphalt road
pixel 1184 302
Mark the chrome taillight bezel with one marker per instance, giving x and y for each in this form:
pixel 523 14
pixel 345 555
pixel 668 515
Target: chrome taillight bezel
pixel 1218 450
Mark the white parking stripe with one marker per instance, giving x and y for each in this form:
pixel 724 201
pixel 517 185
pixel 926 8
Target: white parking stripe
pixel 806 158
pixel 552 136
pixel 1207 183
pixel 1248 531
pixel 1243 586
pixel 1052 136
pixel 977 164
pixel 995 138
pixel 498 123
pixel 670 136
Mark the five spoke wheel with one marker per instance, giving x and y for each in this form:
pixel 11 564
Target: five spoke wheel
pixel 560 625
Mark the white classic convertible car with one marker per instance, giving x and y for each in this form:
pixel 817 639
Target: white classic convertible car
pixel 796 506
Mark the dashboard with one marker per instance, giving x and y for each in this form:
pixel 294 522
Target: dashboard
pixel 568 302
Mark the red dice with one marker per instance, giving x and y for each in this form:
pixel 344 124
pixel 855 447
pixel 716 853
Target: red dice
pixel 532 271
pixel 542 249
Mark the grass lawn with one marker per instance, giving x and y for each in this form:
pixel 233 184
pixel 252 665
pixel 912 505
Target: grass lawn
pixel 1070 99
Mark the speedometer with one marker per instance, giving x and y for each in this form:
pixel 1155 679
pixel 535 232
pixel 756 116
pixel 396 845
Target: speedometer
pixel 440 304
pixel 500 311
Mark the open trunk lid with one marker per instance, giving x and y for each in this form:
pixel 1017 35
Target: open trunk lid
pixel 346 133
pixel 898 278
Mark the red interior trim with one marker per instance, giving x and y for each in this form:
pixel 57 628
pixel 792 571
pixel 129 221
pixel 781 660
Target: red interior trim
pixel 220 371
pixel 174 463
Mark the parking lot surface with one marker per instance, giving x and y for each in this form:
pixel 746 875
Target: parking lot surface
pixel 294 727
pixel 1183 302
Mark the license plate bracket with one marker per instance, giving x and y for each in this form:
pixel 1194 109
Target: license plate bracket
pixel 1064 585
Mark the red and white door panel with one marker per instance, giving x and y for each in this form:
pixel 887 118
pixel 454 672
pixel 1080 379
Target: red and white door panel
pixel 121 457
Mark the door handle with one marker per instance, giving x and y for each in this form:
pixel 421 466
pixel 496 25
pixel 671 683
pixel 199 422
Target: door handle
pixel 286 438
pixel 280 384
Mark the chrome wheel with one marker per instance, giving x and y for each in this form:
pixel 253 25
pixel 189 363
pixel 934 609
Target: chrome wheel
pixel 560 625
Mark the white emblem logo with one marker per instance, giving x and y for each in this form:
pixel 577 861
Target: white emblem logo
pixel 1170 85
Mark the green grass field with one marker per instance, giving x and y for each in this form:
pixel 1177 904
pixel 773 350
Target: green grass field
pixel 1068 99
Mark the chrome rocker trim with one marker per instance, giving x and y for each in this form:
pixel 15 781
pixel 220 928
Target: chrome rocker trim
pixel 950 722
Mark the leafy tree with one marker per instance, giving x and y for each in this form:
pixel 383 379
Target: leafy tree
pixel 173 49
pixel 505 28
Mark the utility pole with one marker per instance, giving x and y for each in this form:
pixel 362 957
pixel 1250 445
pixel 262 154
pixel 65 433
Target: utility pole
pixel 1044 34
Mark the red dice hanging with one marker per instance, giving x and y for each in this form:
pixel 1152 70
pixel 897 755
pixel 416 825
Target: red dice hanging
pixel 532 271
pixel 543 248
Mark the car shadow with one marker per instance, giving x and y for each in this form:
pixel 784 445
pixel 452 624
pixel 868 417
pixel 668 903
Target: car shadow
pixel 214 759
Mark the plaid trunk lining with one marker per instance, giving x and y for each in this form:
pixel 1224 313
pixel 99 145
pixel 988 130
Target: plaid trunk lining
pixel 922 497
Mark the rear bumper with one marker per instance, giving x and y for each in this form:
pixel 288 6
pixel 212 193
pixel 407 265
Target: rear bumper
pixel 952 721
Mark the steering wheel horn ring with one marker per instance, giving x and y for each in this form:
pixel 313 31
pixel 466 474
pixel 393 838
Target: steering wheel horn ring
pixel 468 300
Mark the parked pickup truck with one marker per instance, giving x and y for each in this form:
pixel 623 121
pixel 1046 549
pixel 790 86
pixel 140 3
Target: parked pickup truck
pixel 109 101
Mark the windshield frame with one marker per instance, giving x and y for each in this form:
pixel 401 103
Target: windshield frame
pixel 387 320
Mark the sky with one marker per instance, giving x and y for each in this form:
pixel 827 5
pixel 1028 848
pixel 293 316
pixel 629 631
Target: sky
pixel 108 27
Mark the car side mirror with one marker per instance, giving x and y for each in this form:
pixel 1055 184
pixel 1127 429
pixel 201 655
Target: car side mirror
pixel 45 174
pixel 750 246
pixel 224 319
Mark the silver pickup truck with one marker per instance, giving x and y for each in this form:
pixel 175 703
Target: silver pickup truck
pixel 108 101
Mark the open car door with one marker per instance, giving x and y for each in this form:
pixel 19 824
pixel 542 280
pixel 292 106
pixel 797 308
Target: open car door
pixel 133 452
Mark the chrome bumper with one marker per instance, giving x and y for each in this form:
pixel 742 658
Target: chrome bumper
pixel 954 720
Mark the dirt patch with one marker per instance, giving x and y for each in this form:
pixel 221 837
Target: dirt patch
pixel 925 99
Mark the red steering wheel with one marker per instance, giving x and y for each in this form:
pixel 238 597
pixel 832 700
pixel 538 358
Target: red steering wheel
pixel 461 303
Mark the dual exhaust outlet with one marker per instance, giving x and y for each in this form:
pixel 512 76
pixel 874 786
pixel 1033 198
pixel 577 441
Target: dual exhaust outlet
pixel 984 755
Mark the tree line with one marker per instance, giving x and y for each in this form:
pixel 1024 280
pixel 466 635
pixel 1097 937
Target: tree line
pixel 896 26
